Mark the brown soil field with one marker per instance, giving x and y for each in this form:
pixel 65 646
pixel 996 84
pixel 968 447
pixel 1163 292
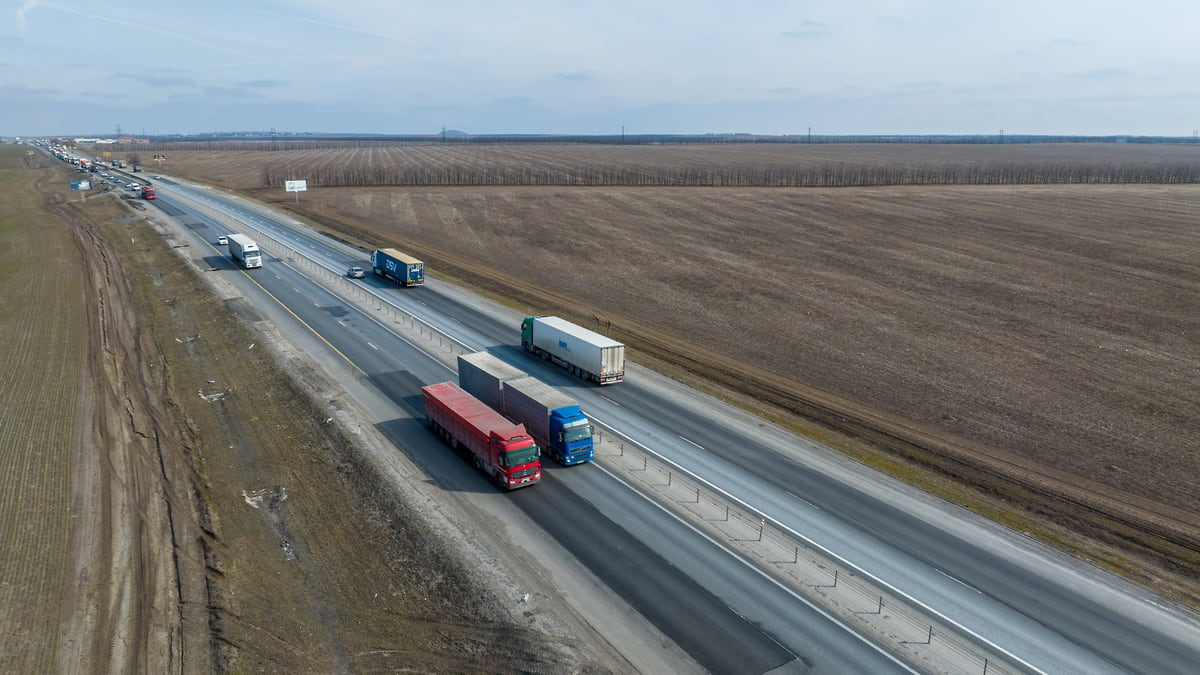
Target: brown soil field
pixel 1037 343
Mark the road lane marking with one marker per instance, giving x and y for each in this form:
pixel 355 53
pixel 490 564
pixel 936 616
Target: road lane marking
pixel 960 581
pixel 693 443
pixel 303 322
pixel 801 499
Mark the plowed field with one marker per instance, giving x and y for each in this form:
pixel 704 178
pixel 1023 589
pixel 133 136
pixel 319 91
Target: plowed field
pixel 1037 342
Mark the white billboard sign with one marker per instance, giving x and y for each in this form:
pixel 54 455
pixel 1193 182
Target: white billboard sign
pixel 296 185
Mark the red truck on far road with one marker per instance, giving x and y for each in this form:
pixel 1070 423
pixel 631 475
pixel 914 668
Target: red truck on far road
pixel 148 192
pixel 501 449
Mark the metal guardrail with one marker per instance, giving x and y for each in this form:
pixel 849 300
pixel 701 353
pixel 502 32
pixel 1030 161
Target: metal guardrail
pixel 898 623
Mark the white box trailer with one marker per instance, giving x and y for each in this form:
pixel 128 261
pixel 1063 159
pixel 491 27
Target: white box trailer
pixel 585 353
pixel 245 251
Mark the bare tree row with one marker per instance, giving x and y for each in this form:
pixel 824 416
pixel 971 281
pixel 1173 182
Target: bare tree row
pixel 809 176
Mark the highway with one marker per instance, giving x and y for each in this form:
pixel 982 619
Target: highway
pixel 1042 610
pixel 650 580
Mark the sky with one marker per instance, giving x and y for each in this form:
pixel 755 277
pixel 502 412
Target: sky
pixel 1048 67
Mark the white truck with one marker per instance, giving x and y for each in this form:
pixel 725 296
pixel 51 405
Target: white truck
pixel 586 354
pixel 244 251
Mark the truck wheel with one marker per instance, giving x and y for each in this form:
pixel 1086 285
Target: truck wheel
pixel 555 456
pixel 500 481
pixel 478 463
pixel 454 442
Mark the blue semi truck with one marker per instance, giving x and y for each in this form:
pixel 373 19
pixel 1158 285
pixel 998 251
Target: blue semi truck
pixel 400 268
pixel 551 417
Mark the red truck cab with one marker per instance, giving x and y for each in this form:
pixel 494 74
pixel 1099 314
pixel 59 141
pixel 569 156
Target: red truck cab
pixel 148 192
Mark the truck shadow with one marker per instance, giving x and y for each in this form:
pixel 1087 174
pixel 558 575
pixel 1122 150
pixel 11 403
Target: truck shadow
pixel 219 262
pixel 449 469
pixel 403 388
pixel 445 467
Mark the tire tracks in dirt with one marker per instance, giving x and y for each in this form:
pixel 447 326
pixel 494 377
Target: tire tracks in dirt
pixel 140 595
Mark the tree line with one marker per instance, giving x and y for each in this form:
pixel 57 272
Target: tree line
pixel 269 143
pixel 831 175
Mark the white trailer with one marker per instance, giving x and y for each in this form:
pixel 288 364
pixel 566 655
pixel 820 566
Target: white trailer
pixel 243 250
pixel 585 353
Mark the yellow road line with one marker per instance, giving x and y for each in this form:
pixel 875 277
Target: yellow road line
pixel 289 310
pixel 302 321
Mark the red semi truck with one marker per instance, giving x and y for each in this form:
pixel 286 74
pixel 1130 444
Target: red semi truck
pixel 148 192
pixel 501 449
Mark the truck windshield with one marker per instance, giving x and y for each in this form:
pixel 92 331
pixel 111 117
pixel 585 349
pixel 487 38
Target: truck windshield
pixel 519 457
pixel 576 434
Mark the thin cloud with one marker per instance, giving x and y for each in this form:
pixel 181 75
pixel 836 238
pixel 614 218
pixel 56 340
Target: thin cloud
pixel 12 91
pixel 1104 74
pixel 342 26
pixel 25 9
pixel 581 76
pixel 153 80
pixel 142 26
pixel 260 84
pixel 809 30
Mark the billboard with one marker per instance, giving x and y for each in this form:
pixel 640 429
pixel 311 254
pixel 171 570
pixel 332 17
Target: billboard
pixel 296 185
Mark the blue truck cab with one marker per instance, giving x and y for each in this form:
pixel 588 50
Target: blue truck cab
pixel 570 436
